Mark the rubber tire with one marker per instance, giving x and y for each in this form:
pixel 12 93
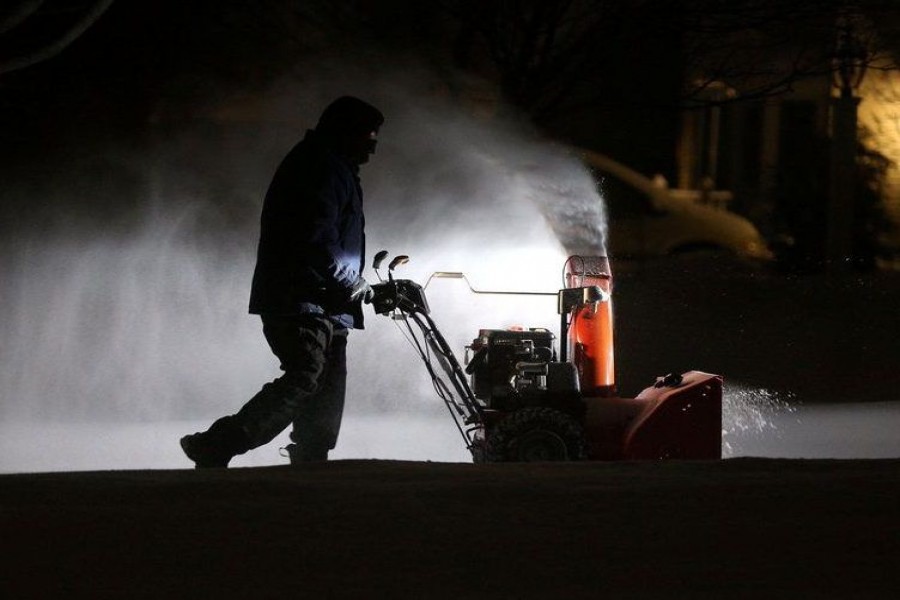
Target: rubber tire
pixel 536 434
pixel 478 452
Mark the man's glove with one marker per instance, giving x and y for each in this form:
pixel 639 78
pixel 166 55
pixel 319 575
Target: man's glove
pixel 361 290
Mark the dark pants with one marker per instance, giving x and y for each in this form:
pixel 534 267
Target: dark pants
pixel 310 394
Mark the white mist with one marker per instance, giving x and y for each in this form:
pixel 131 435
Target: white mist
pixel 111 336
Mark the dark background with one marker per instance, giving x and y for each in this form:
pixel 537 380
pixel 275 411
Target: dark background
pixel 614 77
pixel 164 95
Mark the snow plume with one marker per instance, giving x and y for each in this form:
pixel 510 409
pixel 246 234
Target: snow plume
pixel 139 311
pixel 749 415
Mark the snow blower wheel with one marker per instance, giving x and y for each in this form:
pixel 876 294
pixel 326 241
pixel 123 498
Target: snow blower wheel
pixel 478 453
pixel 535 434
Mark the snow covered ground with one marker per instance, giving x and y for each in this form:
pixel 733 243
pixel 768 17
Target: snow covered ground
pixel 863 430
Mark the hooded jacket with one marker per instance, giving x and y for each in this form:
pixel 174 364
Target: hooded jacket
pixel 312 239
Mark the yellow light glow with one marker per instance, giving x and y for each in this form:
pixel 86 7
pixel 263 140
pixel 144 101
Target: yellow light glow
pixel 879 114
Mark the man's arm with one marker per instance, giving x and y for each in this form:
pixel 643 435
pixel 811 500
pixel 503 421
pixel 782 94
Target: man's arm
pixel 322 250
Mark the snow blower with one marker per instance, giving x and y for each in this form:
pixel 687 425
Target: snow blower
pixel 521 399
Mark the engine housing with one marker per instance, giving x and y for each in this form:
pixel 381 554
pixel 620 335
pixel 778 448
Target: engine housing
pixel 511 369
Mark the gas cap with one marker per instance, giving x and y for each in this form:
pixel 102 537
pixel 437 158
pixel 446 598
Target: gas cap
pixel 671 380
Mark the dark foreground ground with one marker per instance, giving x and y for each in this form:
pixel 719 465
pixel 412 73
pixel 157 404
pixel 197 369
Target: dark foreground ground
pixel 742 528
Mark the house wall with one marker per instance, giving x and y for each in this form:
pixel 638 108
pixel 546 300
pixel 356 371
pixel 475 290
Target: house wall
pixel 760 143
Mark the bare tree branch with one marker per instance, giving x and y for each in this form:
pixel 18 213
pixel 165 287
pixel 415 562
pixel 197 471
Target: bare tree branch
pixel 19 13
pixel 552 56
pixel 58 45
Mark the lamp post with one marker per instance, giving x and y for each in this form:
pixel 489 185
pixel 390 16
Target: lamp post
pixel 849 66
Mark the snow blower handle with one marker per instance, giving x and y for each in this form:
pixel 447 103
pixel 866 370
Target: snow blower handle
pixel 379 258
pixel 396 294
pixel 400 259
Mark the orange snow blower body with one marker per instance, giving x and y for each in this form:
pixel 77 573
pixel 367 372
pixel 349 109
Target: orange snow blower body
pixel 680 416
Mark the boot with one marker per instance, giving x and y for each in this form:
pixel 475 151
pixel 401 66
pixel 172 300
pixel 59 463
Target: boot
pixel 215 447
pixel 304 454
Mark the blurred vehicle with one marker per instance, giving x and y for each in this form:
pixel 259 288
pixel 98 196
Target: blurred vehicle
pixel 647 218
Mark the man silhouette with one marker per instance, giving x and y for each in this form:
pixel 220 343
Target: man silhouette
pixel 308 290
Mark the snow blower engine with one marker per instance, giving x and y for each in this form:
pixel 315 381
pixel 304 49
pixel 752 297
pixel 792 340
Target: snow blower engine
pixel 521 399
